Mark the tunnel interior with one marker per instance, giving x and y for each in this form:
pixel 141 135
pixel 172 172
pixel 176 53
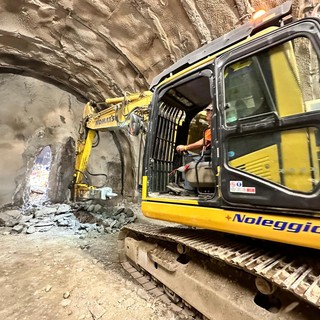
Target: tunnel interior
pixel 56 56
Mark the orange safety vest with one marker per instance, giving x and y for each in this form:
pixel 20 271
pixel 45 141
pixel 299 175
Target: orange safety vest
pixel 207 138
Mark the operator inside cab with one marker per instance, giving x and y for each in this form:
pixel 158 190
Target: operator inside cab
pixel 195 175
pixel 205 142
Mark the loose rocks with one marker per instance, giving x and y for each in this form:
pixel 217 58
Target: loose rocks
pixel 81 218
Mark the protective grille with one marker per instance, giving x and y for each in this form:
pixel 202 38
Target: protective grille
pixel 164 146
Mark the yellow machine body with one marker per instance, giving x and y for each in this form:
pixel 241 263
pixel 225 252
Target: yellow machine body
pixel 276 164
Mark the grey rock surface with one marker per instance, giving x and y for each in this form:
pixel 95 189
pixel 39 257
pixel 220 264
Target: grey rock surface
pixel 9 218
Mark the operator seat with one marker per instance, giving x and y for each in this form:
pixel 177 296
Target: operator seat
pixel 199 173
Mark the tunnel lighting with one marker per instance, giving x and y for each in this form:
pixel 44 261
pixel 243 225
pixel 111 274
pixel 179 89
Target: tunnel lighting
pixel 39 178
pixel 257 14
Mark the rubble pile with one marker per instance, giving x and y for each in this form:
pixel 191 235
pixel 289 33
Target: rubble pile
pixel 80 217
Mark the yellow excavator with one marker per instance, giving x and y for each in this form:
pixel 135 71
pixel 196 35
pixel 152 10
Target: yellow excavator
pixel 247 235
pixel 246 213
pixel 129 112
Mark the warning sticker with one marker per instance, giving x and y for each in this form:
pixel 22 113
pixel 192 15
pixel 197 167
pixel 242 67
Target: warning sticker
pixel 237 187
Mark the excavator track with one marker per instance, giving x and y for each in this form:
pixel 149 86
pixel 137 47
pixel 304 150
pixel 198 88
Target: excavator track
pixel 297 275
pixel 159 291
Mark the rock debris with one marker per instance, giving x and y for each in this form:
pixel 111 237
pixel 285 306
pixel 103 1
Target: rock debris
pixel 81 217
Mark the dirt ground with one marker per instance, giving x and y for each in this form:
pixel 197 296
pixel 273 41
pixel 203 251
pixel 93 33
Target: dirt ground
pixel 58 275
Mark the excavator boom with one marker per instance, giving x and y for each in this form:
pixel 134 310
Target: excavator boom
pixel 129 112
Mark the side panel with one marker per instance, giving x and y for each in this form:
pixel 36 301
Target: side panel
pixel 300 231
pixel 263 162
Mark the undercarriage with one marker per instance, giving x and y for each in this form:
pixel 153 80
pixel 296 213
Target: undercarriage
pixel 222 276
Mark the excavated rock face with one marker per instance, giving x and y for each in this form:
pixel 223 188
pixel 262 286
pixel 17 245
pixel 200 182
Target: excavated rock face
pixel 55 55
pixel 34 114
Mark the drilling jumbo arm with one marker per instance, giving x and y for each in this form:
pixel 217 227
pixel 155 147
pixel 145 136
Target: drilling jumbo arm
pixel 129 112
pixel 246 237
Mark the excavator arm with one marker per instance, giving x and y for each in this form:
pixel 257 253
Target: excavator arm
pixel 128 112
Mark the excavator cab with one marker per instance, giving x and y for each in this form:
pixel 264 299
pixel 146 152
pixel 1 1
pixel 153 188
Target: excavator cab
pixel 265 129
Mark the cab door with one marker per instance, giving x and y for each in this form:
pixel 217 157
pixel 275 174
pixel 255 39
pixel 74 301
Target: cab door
pixel 269 120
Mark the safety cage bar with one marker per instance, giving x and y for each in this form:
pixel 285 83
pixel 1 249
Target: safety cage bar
pixel 163 149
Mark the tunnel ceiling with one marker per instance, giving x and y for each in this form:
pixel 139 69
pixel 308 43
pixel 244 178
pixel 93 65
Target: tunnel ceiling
pixel 101 48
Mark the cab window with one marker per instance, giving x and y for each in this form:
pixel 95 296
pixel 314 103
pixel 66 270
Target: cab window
pixel 281 86
pixel 276 80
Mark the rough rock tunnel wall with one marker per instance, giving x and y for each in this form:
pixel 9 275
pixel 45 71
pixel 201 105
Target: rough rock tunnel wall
pixel 55 55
